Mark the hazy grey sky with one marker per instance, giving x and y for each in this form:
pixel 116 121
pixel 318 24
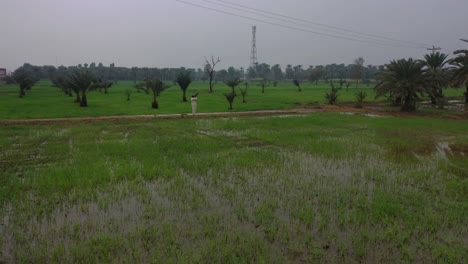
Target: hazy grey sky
pixel 167 33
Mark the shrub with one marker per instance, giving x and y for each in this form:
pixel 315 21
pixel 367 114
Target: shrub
pixel 332 96
pixel 360 97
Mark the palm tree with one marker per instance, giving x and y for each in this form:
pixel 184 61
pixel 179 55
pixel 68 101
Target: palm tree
pixel 233 83
pixel 61 79
pixel 184 80
pixel 402 79
pixel 81 80
pixel 25 78
pixel 436 74
pixel 460 71
pixel 297 83
pixel 157 87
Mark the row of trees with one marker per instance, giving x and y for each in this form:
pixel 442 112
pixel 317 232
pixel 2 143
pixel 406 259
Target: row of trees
pixel 357 70
pixel 405 80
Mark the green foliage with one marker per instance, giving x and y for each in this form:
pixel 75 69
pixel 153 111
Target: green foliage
pixel 128 93
pixel 360 97
pixel 103 84
pixel 25 78
pixel 184 79
pixel 403 79
pixel 233 83
pixel 297 83
pixel 460 71
pixel 230 98
pixel 244 91
pixel 263 84
pixel 81 80
pixel 156 86
pixel 436 75
pixel 332 96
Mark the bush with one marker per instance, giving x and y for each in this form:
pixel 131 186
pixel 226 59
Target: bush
pixel 360 97
pixel 332 96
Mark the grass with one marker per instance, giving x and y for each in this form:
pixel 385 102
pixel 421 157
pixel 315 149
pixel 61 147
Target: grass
pixel 315 188
pixel 45 101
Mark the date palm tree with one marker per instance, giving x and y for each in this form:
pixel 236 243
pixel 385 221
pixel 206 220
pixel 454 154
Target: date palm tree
pixel 81 80
pixel 403 79
pixel 437 76
pixel 233 83
pixel 156 86
pixel 460 71
pixel 25 78
pixel 184 79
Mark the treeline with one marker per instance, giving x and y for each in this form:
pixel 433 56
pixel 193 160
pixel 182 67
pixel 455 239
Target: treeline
pixel 260 71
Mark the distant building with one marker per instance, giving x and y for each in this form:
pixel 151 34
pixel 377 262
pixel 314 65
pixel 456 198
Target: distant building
pixel 2 73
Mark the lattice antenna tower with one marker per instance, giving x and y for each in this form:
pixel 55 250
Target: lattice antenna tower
pixel 253 53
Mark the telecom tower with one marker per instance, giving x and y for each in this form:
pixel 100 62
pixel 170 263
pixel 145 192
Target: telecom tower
pixel 253 53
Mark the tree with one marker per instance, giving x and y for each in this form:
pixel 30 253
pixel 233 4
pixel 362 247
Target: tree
pixel 357 70
pixel 289 72
pixel 25 78
pixel 298 72
pixel 332 96
pixel 210 70
pixel 277 73
pixel 128 93
pixel 156 86
pixel 460 71
pixel 297 83
pixel 244 91
pixel 233 84
pixel 436 75
pixel 403 79
pixel 315 75
pixel 360 97
pixel 230 97
pixel 184 79
pixel 81 80
pixel 103 84
pixel 263 83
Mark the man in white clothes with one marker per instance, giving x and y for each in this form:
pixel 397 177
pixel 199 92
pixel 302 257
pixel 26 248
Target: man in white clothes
pixel 194 103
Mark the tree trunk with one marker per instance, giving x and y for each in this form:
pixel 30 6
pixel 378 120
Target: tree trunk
pixel 184 97
pixel 211 84
pixel 78 98
pixel 409 105
pixel 230 105
pixel 155 104
pixel 84 101
pixel 397 101
pixel 21 93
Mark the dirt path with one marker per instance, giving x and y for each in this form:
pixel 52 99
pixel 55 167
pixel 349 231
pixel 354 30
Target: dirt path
pixel 374 111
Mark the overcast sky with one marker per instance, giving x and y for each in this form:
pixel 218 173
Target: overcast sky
pixel 168 33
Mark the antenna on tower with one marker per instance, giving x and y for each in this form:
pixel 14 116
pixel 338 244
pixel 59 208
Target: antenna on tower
pixel 253 53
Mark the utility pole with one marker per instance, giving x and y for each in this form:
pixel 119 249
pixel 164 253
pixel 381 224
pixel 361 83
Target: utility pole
pixel 433 49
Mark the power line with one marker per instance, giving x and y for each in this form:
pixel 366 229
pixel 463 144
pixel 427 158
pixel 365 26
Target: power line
pixel 433 49
pixel 295 28
pixel 322 25
pixel 304 25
